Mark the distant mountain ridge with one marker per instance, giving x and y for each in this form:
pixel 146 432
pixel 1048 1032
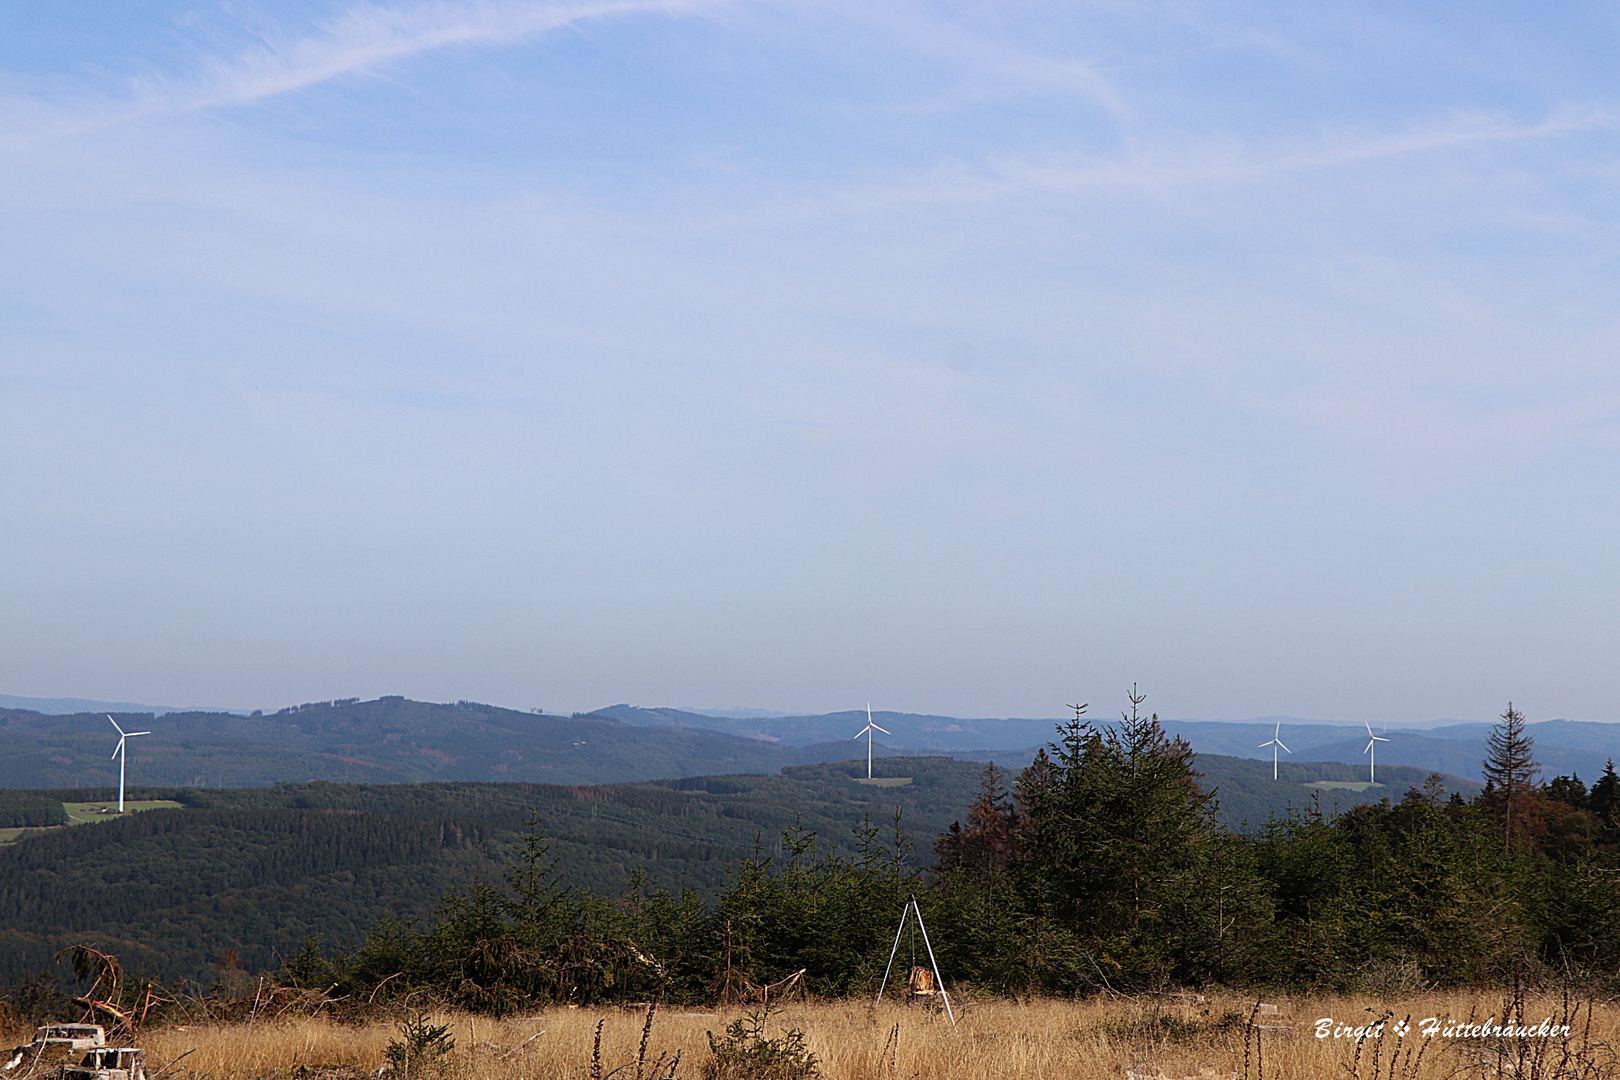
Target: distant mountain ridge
pixel 1453 747
pixel 395 740
pixel 388 740
pixel 909 731
pixel 71 706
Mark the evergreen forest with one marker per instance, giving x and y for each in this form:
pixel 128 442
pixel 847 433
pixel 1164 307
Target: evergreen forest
pixel 1103 865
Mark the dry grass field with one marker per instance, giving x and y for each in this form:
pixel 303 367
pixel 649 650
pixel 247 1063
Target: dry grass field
pixel 1142 1038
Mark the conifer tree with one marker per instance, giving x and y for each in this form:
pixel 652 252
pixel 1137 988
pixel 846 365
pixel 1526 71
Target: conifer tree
pixel 985 844
pixel 1127 841
pixel 1033 785
pixel 1566 789
pixel 1604 801
pixel 1510 773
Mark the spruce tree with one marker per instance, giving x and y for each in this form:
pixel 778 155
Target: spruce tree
pixel 1127 838
pixel 1510 772
pixel 1566 789
pixel 1604 801
pixel 985 844
pixel 1034 785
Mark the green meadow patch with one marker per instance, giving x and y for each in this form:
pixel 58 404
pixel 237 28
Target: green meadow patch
pixel 83 813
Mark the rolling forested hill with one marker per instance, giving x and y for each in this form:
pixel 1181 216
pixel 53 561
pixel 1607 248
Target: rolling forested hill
pixel 1249 797
pixel 395 740
pixel 257 870
pixel 389 740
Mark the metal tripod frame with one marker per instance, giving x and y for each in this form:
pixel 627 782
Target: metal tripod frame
pixel 911 910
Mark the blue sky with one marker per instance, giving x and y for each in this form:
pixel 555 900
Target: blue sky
pixel 964 358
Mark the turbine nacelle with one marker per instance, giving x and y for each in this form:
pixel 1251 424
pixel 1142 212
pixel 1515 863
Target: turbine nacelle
pixel 122 735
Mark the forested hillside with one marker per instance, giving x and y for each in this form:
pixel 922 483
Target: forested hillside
pixel 1246 797
pixel 1102 868
pixel 257 870
pixel 909 731
pixel 24 809
pixel 254 871
pixel 394 740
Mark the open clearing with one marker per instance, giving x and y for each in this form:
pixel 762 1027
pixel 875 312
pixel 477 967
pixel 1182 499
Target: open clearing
pixel 83 813
pixel 1148 1038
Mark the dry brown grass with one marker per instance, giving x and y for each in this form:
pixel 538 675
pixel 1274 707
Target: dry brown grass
pixel 993 1040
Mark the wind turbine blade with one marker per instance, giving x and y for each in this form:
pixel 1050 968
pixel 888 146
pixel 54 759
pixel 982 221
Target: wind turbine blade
pixel 1368 750
pixel 114 723
pixel 858 734
pixel 132 734
pixel 1280 743
pixel 115 752
pixel 885 730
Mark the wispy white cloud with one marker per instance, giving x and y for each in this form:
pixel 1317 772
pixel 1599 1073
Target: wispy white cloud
pixel 1167 162
pixel 369 37
pixel 998 60
pixel 364 39
pixel 1159 163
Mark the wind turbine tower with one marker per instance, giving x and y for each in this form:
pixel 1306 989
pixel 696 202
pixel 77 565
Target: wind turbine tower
pixel 1371 739
pixel 867 731
pixel 120 755
pixel 1276 741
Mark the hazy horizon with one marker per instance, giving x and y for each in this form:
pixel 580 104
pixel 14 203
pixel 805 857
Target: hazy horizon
pixel 69 706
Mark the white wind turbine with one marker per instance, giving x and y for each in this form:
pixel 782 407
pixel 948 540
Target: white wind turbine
pixel 1276 741
pixel 119 754
pixel 1371 768
pixel 867 731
